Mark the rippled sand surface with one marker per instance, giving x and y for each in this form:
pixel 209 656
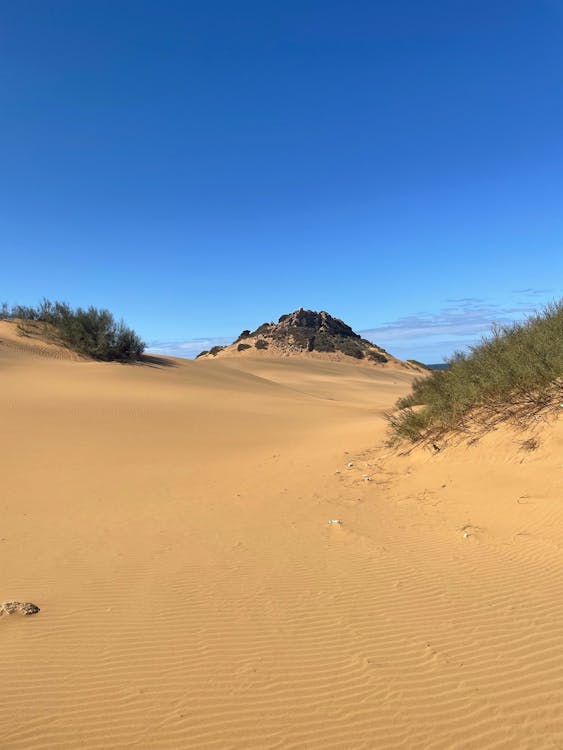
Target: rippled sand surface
pixel 172 524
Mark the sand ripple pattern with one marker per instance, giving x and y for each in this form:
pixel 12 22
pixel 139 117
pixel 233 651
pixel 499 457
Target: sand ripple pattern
pixel 193 597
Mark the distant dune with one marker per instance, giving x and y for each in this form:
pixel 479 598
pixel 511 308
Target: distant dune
pixel 170 519
pixel 309 334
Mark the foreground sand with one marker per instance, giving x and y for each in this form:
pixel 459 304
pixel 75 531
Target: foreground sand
pixel 171 523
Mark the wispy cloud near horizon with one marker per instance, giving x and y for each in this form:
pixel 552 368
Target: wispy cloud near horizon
pixel 187 349
pixel 459 324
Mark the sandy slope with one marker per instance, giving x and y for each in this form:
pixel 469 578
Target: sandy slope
pixel 171 522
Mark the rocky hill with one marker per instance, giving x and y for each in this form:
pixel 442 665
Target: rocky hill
pixel 306 332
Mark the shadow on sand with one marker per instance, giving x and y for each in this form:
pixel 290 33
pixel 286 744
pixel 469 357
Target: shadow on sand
pixel 150 360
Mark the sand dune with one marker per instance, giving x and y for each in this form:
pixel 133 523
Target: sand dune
pixel 171 523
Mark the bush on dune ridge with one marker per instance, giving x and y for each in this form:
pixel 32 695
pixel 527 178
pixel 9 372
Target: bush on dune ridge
pixel 93 332
pixel 520 366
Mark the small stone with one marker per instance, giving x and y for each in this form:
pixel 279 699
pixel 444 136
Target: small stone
pixel 349 465
pixel 29 609
pixel 24 608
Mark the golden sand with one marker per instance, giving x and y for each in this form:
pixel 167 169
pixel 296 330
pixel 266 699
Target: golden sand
pixel 172 524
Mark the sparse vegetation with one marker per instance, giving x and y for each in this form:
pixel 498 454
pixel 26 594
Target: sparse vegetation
pixel 261 344
pixel 242 347
pixel 243 335
pixel 264 328
pixel 214 351
pixel 517 370
pixel 93 332
pixel 376 356
pixel 349 346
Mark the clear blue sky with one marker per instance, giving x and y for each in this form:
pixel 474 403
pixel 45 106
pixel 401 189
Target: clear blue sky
pixel 199 168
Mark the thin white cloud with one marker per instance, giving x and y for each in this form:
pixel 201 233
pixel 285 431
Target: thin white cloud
pixel 531 292
pixel 187 349
pixel 462 323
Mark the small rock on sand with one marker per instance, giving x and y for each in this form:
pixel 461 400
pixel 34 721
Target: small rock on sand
pixel 24 608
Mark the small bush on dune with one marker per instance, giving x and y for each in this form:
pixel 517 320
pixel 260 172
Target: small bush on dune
pixel 519 365
pixel 376 356
pixel 261 344
pixel 242 347
pixel 92 332
pixel 261 330
pixel 349 347
pixel 243 335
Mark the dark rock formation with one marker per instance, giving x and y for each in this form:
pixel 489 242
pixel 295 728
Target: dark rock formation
pixel 308 331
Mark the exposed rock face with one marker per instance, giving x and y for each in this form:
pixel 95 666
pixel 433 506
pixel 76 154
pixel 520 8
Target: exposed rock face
pixel 305 331
pixel 321 321
pixel 311 331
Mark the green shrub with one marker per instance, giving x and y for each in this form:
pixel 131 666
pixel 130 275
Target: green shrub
pixel 242 347
pixel 243 335
pixel 349 346
pixel 214 351
pixel 261 344
pixel 202 354
pixel 518 365
pixel 376 356
pixel 92 332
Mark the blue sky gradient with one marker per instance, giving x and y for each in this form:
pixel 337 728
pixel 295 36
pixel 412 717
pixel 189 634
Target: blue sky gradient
pixel 202 168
